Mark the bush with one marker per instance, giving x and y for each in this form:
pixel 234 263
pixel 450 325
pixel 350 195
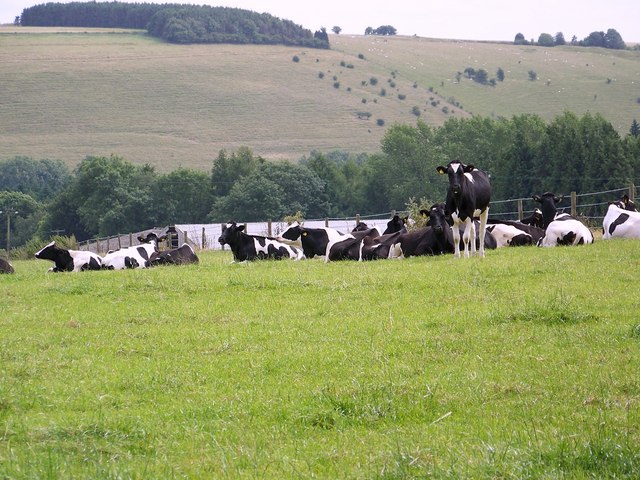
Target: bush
pixel 373 81
pixel 321 75
pixel 383 92
pixel 533 75
pixel 416 110
pixel 296 58
pixel 401 96
pixel 361 56
pixel 336 84
pixel 380 122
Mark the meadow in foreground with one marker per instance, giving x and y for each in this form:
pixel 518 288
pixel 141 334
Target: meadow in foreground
pixel 523 364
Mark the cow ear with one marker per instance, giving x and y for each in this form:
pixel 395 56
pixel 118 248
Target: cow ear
pixel 537 198
pixel 241 228
pixel 558 199
pixel 469 168
pixel 141 239
pixel 441 170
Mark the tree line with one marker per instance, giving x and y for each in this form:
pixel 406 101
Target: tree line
pixel 524 155
pixel 177 23
pixel 611 39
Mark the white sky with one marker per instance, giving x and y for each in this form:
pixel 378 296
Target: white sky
pixel 457 19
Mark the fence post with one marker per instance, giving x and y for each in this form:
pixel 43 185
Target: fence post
pixel 119 241
pixel 520 210
pixel 269 228
pixel 632 192
pixel 357 219
pixel 204 239
pixel 326 221
pixel 574 201
pixel 222 225
pixel 186 238
pixel 130 239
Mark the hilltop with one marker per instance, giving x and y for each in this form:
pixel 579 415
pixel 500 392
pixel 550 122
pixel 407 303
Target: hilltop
pixel 68 93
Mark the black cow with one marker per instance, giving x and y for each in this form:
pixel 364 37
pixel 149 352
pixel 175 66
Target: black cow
pixel 69 260
pixel 176 256
pixel 435 239
pixel 535 219
pixel 5 266
pixel 396 224
pixel 468 196
pixel 628 203
pixel 253 247
pixel 348 246
pixel 314 240
pixel 548 202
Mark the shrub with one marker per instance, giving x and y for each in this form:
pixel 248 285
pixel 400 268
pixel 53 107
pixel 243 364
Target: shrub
pixel 380 122
pixel 533 75
pixel 383 92
pixel 373 81
pixel 296 58
pixel 336 84
pixel 416 110
pixel 361 56
pixel 401 96
pixel 321 75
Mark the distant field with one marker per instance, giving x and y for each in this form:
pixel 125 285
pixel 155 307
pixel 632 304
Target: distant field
pixel 75 92
pixel 513 366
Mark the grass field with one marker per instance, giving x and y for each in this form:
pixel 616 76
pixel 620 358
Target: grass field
pixel 75 92
pixel 520 365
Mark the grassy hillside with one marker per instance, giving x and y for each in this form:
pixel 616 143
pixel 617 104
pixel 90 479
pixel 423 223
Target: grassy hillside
pixel 512 366
pixel 74 93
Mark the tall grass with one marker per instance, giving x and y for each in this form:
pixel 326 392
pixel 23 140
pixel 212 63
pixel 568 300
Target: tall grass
pixel 520 365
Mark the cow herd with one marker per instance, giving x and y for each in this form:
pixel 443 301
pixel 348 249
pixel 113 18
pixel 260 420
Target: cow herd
pixel 145 255
pixel 459 226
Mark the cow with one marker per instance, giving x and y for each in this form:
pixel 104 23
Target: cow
pixel 535 219
pixel 5 266
pixel 620 222
pixel 65 260
pixel 509 236
pixel 254 247
pixel 137 256
pixel 560 228
pixel 314 240
pixel 396 224
pixel 182 255
pixel 468 196
pixel 348 246
pixel 508 232
pixel 434 239
pixel 628 203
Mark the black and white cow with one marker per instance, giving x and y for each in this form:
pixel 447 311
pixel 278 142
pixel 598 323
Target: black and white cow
pixel 396 224
pixel 619 222
pixel 5 266
pixel 69 260
pixel 176 256
pixel 137 256
pixel 314 240
pixel 254 247
pixel 628 203
pixel 510 233
pixel 468 196
pixel 560 228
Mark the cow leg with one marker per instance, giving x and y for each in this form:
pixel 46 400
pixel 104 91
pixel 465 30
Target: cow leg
pixel 456 238
pixel 469 237
pixel 484 215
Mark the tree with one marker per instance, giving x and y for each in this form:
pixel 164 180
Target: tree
pixel 182 196
pixel 385 30
pixel 41 179
pixel 559 40
pixel 546 40
pixel 500 75
pixel 634 131
pixel 612 39
pixel 595 39
pixel 253 198
pixel 533 76
pixel 228 169
pixel 368 31
pixel 15 205
pixel 336 29
pixel 520 40
pixel 322 36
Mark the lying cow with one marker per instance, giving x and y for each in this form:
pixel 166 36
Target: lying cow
pixel 254 247
pixel 348 246
pixel 619 222
pixel 177 256
pixel 5 266
pixel 314 240
pixel 560 228
pixel 138 256
pixel 509 236
pixel 69 260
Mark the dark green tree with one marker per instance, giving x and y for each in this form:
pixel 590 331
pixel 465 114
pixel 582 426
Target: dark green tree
pixel 520 40
pixel 612 39
pixel 546 40
pixel 500 75
pixel 229 168
pixel 253 198
pixel 634 131
pixel 182 196
pixel 559 39
pixel 41 179
pixel 17 206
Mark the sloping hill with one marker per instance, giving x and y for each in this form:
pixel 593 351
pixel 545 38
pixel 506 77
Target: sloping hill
pixel 71 93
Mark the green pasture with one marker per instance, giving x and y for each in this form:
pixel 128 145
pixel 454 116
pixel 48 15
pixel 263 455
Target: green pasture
pixel 523 364
pixel 69 93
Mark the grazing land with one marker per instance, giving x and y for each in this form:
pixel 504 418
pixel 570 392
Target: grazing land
pixel 69 93
pixel 523 364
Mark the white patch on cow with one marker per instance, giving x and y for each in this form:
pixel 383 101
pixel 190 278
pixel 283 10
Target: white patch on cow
pixel 504 233
pixel 470 177
pixel 562 226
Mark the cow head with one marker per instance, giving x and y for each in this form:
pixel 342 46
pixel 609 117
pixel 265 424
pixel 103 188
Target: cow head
pixel 230 233
pixel 437 218
pixel 151 238
pixel 628 203
pixel 292 232
pixel 360 227
pixel 456 172
pixel 49 252
pixel 548 202
pixel 396 224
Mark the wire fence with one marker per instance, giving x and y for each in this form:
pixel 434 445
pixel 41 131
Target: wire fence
pixel 590 207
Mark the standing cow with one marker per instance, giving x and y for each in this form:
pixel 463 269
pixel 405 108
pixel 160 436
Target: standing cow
pixel 468 196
